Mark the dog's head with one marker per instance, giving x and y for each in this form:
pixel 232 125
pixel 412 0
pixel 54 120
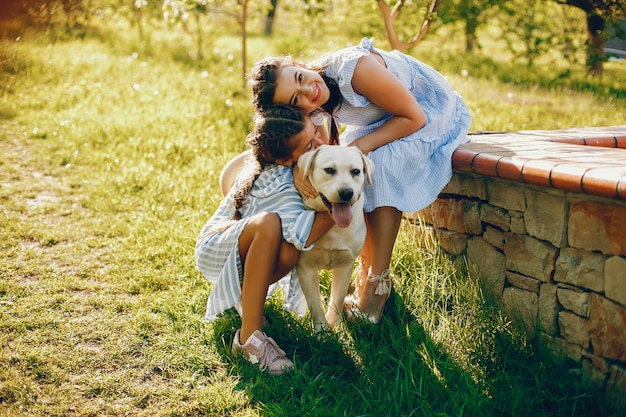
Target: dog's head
pixel 338 173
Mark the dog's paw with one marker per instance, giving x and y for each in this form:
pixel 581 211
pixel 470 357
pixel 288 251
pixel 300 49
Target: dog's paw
pixel 319 327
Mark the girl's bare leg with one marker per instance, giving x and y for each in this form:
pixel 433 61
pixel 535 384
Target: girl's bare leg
pixel 382 229
pixel 265 258
pixel 365 258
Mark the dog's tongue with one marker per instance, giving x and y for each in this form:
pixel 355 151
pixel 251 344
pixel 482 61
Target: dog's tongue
pixel 342 214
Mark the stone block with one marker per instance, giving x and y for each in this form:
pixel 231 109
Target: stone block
pixel 548 309
pixel 529 256
pixel 461 215
pixel 574 329
pixel 599 363
pixel 452 242
pixel 489 264
pixel 575 301
pixel 495 216
pixel 607 328
pixel 466 185
pixel 561 347
pixel 592 376
pixel 494 236
pixel 597 227
pixel 545 217
pixel 580 268
pixel 615 279
pixel 616 388
pixel 522 307
pixel 518 225
pixel 508 195
pixel 523 282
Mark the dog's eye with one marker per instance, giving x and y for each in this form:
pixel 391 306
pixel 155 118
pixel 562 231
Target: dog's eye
pixel 329 171
pixel 356 172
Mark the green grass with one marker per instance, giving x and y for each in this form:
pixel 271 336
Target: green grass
pixel 110 152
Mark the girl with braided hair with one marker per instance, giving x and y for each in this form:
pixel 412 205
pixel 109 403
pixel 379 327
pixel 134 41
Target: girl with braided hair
pixel 255 237
pixel 398 111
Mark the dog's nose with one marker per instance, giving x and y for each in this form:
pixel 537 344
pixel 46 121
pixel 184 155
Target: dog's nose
pixel 345 194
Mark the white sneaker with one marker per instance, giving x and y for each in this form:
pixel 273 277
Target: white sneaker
pixel 263 351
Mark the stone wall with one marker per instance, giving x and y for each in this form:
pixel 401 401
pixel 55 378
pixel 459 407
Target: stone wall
pixel 554 260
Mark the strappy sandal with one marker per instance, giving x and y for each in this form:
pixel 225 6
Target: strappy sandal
pixel 351 306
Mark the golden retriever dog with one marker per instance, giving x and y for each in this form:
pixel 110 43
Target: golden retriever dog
pixel 338 174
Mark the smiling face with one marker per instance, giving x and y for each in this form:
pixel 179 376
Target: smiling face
pixel 301 87
pixel 310 138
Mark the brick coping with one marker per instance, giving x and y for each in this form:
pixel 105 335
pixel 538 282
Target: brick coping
pixel 588 160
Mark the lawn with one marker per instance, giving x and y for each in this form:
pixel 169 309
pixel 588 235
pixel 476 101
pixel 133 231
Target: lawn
pixel 110 151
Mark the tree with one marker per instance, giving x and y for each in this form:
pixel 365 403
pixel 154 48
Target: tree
pixel 473 14
pixel 269 19
pixel 531 30
pixel 190 14
pixel 238 10
pixel 389 17
pixel 598 13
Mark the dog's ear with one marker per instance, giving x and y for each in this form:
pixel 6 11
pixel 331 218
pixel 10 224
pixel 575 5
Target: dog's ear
pixel 368 167
pixel 306 160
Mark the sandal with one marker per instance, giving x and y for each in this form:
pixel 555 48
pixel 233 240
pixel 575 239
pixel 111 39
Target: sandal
pixel 351 303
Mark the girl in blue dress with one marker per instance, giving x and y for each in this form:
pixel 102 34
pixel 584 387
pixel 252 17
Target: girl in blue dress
pixel 397 110
pixel 256 235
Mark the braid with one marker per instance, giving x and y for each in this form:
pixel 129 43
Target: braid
pixel 270 140
pixel 239 196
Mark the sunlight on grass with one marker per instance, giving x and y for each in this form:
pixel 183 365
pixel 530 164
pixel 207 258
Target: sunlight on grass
pixel 110 153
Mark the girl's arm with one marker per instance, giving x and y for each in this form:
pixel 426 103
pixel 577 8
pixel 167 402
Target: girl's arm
pixel 374 81
pixel 322 224
pixel 231 170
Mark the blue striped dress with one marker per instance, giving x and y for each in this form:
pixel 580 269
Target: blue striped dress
pixel 217 253
pixel 411 171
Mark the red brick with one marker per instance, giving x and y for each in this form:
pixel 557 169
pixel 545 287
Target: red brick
pixel 510 168
pixel 537 172
pixel 568 177
pixel 486 164
pixel 462 159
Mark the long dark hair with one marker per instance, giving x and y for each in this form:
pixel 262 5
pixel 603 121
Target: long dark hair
pixel 263 79
pixel 270 140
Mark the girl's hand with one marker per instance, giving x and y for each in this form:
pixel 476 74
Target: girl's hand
pixel 360 144
pixel 303 185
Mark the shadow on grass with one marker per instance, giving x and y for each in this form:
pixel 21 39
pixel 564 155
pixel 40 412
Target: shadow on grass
pixel 390 369
pixel 396 369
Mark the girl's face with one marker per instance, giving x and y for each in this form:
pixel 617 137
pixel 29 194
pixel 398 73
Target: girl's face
pixel 302 88
pixel 308 139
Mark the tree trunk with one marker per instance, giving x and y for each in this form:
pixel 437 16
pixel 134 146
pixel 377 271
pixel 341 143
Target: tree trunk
pixel 199 53
pixel 269 19
pixel 595 47
pixel 470 37
pixel 244 41
pixel 389 16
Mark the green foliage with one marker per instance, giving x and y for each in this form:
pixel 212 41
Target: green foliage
pixel 529 31
pixel 472 14
pixel 110 153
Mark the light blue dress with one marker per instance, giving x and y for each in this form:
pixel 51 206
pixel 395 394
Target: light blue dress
pixel 217 253
pixel 409 172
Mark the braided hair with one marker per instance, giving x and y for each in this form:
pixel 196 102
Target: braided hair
pixel 263 79
pixel 270 140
